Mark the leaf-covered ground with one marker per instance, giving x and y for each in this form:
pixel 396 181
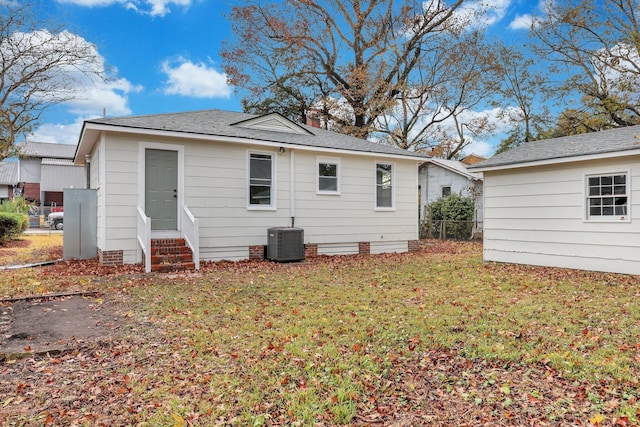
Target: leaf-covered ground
pixel 31 248
pixel 428 338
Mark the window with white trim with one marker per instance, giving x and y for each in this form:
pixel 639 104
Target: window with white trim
pixel 608 196
pixel 446 191
pixel 328 177
pixel 261 184
pixel 384 185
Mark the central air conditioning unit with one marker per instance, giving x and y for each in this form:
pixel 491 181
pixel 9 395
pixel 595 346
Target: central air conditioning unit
pixel 285 244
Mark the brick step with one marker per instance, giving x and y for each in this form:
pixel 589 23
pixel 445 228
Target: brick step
pixel 171 255
pixel 171 258
pixel 168 242
pixel 173 267
pixel 169 250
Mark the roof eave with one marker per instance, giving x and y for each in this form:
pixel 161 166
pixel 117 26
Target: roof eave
pixel 91 131
pixel 559 160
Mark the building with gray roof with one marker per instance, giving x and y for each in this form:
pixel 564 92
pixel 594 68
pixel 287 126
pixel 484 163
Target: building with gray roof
pixel 570 202
pixel 222 179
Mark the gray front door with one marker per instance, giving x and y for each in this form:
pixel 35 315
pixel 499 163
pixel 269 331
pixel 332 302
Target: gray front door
pixel 161 192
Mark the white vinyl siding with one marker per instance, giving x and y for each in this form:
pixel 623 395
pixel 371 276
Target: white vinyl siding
pixel 120 197
pixel 216 186
pixel 536 215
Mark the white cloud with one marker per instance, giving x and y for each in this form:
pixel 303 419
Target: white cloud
pixel 108 96
pixel 58 133
pixel 82 91
pixel 152 7
pixel 195 79
pixel 521 22
pixel 484 12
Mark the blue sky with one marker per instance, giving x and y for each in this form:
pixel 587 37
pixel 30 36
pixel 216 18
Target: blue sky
pixel 164 57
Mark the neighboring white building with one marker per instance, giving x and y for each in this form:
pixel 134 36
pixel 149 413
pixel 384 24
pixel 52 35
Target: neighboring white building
pixel 439 178
pixel 8 179
pixel 569 202
pixel 46 169
pixel 239 175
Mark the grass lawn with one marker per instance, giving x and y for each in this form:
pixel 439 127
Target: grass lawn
pixel 434 337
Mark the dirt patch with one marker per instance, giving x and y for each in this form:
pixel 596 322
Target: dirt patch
pixel 53 325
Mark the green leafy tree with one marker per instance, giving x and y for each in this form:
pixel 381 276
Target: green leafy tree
pixel 453 213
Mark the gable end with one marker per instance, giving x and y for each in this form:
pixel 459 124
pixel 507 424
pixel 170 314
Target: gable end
pixel 273 122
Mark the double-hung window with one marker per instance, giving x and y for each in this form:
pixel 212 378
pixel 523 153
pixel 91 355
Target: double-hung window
pixel 384 186
pixel 328 176
pixel 261 181
pixel 608 196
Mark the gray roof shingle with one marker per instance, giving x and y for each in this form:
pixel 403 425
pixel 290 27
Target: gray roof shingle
pixel 230 124
pixel 608 141
pixel 8 173
pixel 45 149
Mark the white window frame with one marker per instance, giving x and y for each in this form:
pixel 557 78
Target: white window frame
pixel 272 205
pixel 607 218
pixel 393 186
pixel 331 161
pixel 442 190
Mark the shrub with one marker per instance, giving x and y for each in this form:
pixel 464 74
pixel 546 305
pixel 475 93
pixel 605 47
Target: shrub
pixel 17 205
pixel 12 225
pixel 454 214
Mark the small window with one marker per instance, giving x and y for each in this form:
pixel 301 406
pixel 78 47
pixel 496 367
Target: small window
pixel 384 185
pixel 261 188
pixel 607 196
pixel 328 176
pixel 446 191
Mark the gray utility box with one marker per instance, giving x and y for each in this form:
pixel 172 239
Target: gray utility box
pixel 80 224
pixel 285 244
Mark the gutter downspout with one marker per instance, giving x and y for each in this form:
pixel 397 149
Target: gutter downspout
pixel 292 184
pixel 87 161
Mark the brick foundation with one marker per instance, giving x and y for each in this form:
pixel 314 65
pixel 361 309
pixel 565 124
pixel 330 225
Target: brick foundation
pixel 364 248
pixel 413 245
pixel 256 252
pixel 110 257
pixel 310 250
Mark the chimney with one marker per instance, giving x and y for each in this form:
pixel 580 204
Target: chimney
pixel 313 119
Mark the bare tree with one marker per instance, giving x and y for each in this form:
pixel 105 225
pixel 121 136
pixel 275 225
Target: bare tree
pixel 597 43
pixel 39 67
pixel 434 113
pixel 363 52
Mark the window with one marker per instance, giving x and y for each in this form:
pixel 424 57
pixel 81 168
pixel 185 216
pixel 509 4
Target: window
pixel 607 196
pixel 261 185
pixel 384 185
pixel 446 191
pixel 328 176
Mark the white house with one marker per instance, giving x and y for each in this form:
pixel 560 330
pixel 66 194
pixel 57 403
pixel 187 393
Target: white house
pixel 566 202
pixel 439 178
pixel 222 179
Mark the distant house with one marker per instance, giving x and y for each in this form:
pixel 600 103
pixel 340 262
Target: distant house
pixel 567 202
pixel 472 159
pixel 45 169
pixel 8 179
pixel 232 176
pixel 439 178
